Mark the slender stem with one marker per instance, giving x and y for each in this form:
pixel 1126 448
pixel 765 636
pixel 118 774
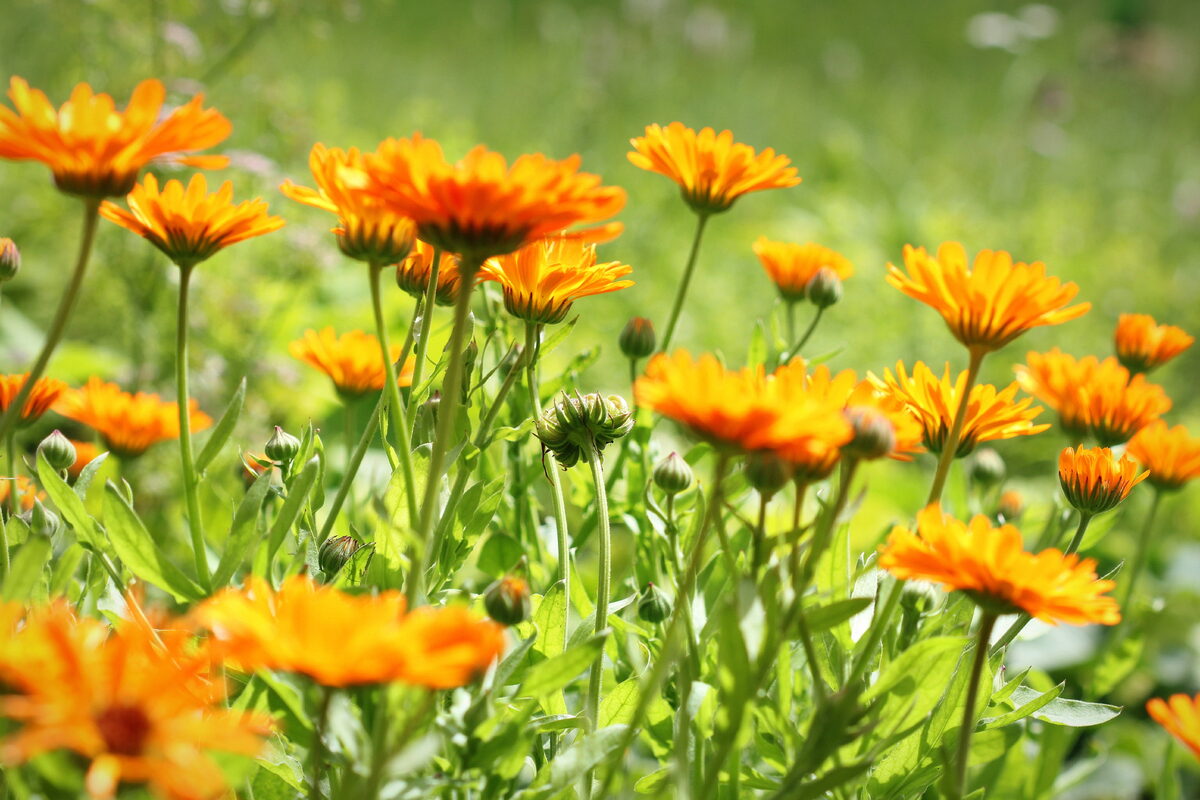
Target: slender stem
pixel 427 316
pixel 824 533
pixel 791 321
pixel 603 584
pixel 1077 539
pixel 10 453
pixel 879 623
pixel 760 535
pixel 794 536
pixel 681 292
pixel 191 486
pixel 810 654
pixel 11 507
pixel 968 724
pixel 950 446
pixel 808 332
pixel 1137 567
pixel 317 754
pixel 356 458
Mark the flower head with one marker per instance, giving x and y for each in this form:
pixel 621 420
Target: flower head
pixel 128 423
pixel 991 566
pixel 990 303
pixel 412 274
pixel 1180 716
pixel 97 151
pixel 353 361
pixel 1143 345
pixel 712 170
pixel 1171 454
pixel 575 425
pixel 27 492
pixel 44 394
pixel 792 266
pixel 1095 481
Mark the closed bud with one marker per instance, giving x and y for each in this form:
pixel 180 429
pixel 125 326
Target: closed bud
pixel 672 474
pixel 507 600
pixel 335 552
pixel 637 339
pixel 282 447
pixel 10 260
pixel 57 450
pixel 1010 507
pixel 767 472
pixel 427 414
pixel 824 289
pixel 41 520
pixel 575 424
pixel 874 436
pixel 987 467
pixel 653 606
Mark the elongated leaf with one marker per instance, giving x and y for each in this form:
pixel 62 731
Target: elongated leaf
pixel 292 506
pixel 550 620
pixel 1023 710
pixel 243 530
pixel 222 430
pixel 572 765
pixel 555 673
pixel 508 667
pixel 25 572
pixel 1069 713
pixel 138 552
pixel 69 504
pixel 824 617
pixel 88 474
pixel 618 705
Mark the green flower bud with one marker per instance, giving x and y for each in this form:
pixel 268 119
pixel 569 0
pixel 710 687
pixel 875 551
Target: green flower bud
pixel 986 468
pixel 573 424
pixel 507 600
pixel 874 436
pixel 653 606
pixel 41 520
pixel 672 474
pixel 824 289
pixel 767 472
pixel 637 339
pixel 10 260
pixel 57 450
pixel 282 447
pixel 335 552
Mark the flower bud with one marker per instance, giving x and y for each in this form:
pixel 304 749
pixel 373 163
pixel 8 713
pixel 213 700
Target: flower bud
pixel 986 468
pixel 672 474
pixel 653 605
pixel 824 289
pixel 637 339
pixel 41 520
pixel 874 436
pixel 57 450
pixel 335 552
pixel 1010 507
pixel 10 260
pixel 767 472
pixel 507 600
pixel 589 421
pixel 282 447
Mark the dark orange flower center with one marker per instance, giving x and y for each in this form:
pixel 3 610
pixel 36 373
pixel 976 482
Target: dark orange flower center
pixel 125 729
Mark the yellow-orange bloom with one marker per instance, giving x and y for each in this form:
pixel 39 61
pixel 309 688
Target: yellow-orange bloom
pixel 412 274
pixel 190 225
pixel 97 151
pixel 1094 480
pixel 128 423
pixel 991 415
pixel 1180 716
pixel 791 266
pixel 1143 345
pixel 1171 454
pixel 712 170
pixel 542 279
pixel 44 394
pixel 991 566
pixel 27 492
pixel 338 639
pixel 480 206
pixel 990 303
pixel 353 361
pixel 367 231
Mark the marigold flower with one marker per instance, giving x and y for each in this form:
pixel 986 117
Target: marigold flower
pixel 27 492
pixel 992 567
pixel 990 303
pixel 480 206
pixel 412 274
pixel 542 280
pixel 192 225
pixel 1180 716
pixel 97 151
pixel 792 266
pixel 712 170
pixel 45 393
pixel 1058 380
pixel 353 361
pixel 1171 454
pixel 1094 480
pixel 128 423
pixel 338 639
pixel 1143 345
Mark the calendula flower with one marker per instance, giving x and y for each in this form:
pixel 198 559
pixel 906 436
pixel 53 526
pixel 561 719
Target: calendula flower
pixel 1180 716
pixel 990 303
pixel 1010 506
pixel 991 415
pixel 1059 380
pixel 190 225
pixel 1094 480
pixel 128 423
pixel 338 639
pixel 712 170
pixel 542 280
pixel 353 361
pixel 792 266
pixel 366 230
pixel 27 492
pixel 480 206
pixel 1143 344
pixel 1119 406
pixel 991 566
pixel 412 274
pixel 46 392
pixel 1171 454
pixel 97 151
pixel 10 259
pixel 138 714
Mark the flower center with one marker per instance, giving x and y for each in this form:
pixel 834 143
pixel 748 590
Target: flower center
pixel 124 729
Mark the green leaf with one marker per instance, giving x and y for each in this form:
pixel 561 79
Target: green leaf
pixel 292 506
pixel 25 572
pixel 508 667
pixel 88 474
pixel 1023 710
pixel 585 755
pixel 555 673
pixel 138 552
pixel 243 530
pixel 222 430
pixel 1069 713
pixel 655 783
pixel 756 355
pixel 550 619
pixel 618 706
pixel 559 334
pixel 69 504
pixel 824 617
pixel 914 683
pixel 499 554
pixel 1116 665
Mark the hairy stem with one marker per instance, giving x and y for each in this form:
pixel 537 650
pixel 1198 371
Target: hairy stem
pixel 968 724
pixel 191 486
pixel 684 282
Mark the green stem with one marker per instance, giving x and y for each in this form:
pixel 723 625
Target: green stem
pixel 681 292
pixel 317 754
pixel 427 316
pixel 879 623
pixel 760 535
pixel 1077 539
pixel 1138 566
pixel 604 581
pixel 950 446
pixel 10 453
pixel 808 332
pixel 968 724
pixel 191 486
pixel 356 459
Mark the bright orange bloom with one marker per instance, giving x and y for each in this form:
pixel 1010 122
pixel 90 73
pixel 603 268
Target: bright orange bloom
pixel 353 361
pixel 1172 455
pixel 192 225
pixel 792 266
pixel 338 639
pixel 412 274
pixel 137 713
pixel 481 207
pixel 543 279
pixel 128 423
pixel 27 492
pixel 97 151
pixel 1143 345
pixel 1120 406
pixel 1094 481
pixel 991 415
pixel 44 394
pixel 85 453
pixel 711 168
pixel 989 304
pixel 992 567
pixel 1010 506
pixel 367 231
pixel 1180 715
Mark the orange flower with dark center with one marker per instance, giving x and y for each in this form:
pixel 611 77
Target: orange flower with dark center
pixel 1143 344
pixel 480 206
pixel 991 566
pixel 991 415
pixel 45 393
pixel 1094 480
pixel 27 492
pixel 1180 716
pixel 792 266
pixel 97 151
pixel 1171 454
pixel 353 361
pixel 542 280
pixel 190 225
pixel 990 303
pixel 412 274
pixel 367 231
pixel 712 170
pixel 128 423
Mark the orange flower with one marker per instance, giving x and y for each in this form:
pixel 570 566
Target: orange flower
pixel 192 225
pixel 989 304
pixel 45 393
pixel 1143 345
pixel 128 423
pixel 792 266
pixel 85 453
pixel 480 207
pixel 543 279
pixel 1010 506
pixel 97 151
pixel 991 415
pixel 338 639
pixel 27 492
pixel 367 232
pixel 353 361
pixel 992 567
pixel 412 274
pixel 1171 455
pixel 137 713
pixel 1120 406
pixel 1180 715
pixel 711 168
pixel 1094 481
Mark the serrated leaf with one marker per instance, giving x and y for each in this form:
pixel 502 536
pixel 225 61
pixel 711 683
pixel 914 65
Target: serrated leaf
pixel 223 429
pixel 138 552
